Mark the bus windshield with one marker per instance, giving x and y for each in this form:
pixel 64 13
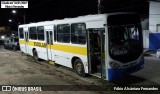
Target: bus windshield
pixel 125 42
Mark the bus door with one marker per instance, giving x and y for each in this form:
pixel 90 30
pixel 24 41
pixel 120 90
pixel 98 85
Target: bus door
pixel 49 43
pixel 26 39
pixel 96 50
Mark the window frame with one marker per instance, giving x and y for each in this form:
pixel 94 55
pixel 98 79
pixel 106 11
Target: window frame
pixel 55 33
pixel 40 33
pixel 62 33
pixel 79 34
pixel 31 33
pixel 21 33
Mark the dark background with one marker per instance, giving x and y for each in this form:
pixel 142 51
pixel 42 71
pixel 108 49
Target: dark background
pixel 45 10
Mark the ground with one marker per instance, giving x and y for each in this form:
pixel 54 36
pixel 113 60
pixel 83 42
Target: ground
pixel 20 69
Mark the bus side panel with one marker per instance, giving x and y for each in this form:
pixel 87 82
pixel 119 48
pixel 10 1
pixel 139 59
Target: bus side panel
pixel 22 45
pixel 95 24
pixel 42 53
pixel 65 59
pixel 64 55
pixel 40 48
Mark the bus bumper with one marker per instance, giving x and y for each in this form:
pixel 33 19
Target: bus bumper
pixel 114 74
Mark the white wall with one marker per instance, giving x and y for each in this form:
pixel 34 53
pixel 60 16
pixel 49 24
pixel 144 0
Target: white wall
pixel 154 16
pixel 145 38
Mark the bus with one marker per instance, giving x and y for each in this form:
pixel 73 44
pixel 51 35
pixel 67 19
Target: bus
pixel 108 46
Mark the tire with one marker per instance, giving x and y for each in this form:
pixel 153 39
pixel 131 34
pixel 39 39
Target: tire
pixel 14 48
pixel 79 68
pixel 35 55
pixel 22 52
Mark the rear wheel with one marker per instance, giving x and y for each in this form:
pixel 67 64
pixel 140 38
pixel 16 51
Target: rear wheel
pixel 35 55
pixel 79 68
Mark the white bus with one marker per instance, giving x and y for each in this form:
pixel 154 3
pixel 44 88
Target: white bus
pixel 108 46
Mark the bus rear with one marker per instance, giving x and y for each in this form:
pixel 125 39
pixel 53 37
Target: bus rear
pixel 125 45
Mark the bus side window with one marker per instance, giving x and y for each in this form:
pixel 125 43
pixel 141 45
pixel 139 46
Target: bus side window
pixel 55 33
pixel 40 32
pixel 78 33
pixel 63 33
pixel 51 38
pixel 21 35
pixel 33 33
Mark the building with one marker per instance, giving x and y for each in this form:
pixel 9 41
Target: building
pixel 154 25
pixel 4 31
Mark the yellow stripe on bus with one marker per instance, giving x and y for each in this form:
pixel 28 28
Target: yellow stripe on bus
pixel 59 47
pixel 21 41
pixel 32 43
pixel 70 49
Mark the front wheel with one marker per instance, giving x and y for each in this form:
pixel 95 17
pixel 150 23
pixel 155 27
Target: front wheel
pixel 79 68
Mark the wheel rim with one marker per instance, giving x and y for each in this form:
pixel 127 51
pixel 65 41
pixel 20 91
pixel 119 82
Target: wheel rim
pixel 79 68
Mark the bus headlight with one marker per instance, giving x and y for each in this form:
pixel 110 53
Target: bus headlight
pixel 114 65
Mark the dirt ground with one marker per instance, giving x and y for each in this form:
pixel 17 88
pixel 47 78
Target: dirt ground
pixel 19 69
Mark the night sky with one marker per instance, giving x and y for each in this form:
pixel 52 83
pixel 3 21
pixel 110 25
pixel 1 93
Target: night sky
pixel 43 10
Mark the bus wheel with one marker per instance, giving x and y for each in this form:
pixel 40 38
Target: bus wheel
pixel 79 68
pixel 35 55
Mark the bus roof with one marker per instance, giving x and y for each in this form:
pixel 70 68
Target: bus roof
pixel 68 20
pixel 79 19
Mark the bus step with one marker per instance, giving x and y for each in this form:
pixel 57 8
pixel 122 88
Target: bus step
pixel 51 62
pixel 97 75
